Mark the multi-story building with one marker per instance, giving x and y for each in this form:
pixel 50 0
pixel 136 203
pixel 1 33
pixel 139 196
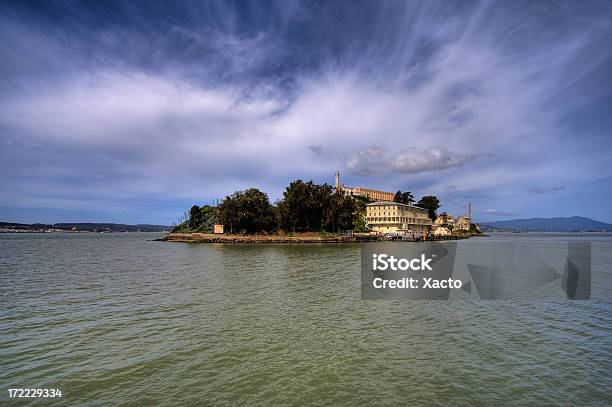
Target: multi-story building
pixel 393 217
pixel 370 193
pixel 359 191
pixel 463 223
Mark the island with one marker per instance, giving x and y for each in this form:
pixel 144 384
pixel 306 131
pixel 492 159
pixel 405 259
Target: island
pixel 320 213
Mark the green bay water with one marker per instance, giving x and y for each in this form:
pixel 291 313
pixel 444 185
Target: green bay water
pixel 118 319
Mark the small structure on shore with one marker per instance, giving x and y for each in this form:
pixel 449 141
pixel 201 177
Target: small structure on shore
pixel 464 222
pixel 218 229
pixel 441 231
pixel 444 219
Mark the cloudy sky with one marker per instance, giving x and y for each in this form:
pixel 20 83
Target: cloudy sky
pixel 132 112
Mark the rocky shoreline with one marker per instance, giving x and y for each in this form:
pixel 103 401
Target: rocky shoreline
pixel 269 239
pixel 227 238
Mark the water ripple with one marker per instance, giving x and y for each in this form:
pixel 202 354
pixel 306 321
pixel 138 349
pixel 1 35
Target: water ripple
pixel 120 320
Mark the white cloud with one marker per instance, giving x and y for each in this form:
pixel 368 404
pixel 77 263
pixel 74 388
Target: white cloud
pixel 373 161
pixel 434 103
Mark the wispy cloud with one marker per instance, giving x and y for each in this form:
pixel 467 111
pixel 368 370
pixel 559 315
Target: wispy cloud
pixel 318 149
pixel 119 109
pixel 547 190
pixel 499 213
pixel 373 161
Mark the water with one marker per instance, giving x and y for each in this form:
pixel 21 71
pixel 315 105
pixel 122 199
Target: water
pixel 117 319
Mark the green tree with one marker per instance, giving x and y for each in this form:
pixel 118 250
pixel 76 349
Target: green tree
pixel 195 217
pixel 359 224
pixel 247 211
pixel 209 218
pixel 293 207
pixel 431 203
pixel 304 206
pixel 398 197
pixel 347 213
pixel 309 207
pixel 403 197
pixel 341 213
pixel 407 198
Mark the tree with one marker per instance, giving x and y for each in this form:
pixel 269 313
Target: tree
pixel 209 218
pixel 407 198
pixel 347 213
pixel 310 207
pixel 403 197
pixel 293 208
pixel 431 203
pixel 398 197
pixel 195 217
pixel 249 211
pixel 304 206
pixel 359 223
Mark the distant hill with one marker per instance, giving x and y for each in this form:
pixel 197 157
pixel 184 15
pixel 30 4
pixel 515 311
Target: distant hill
pixel 80 227
pixel 572 224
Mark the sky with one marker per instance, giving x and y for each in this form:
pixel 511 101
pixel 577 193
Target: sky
pixel 131 112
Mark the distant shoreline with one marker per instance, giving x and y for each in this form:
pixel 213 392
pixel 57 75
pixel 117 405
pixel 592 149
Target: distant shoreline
pixel 40 232
pixel 535 232
pixel 79 227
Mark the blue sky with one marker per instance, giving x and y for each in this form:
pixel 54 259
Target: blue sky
pixel 131 112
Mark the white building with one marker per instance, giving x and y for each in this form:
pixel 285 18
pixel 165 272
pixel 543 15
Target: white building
pixel 393 217
pixel 441 231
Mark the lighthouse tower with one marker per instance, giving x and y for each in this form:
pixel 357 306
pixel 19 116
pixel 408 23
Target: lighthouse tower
pixel 469 210
pixel 338 181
